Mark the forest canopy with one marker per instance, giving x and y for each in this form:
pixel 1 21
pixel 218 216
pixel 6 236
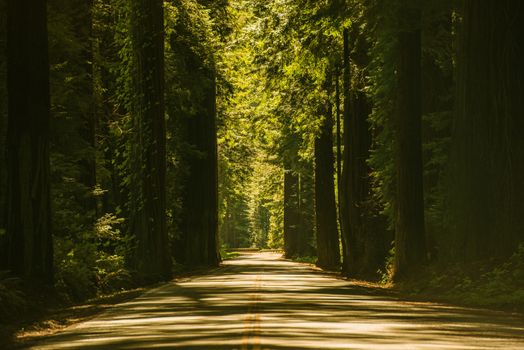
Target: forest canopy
pixel 379 139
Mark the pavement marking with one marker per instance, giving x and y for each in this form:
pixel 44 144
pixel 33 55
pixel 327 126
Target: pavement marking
pixel 252 328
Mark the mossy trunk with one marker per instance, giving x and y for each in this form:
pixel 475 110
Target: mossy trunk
pixel 147 214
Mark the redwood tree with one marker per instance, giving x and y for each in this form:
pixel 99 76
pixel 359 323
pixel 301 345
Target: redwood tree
pixel 410 239
pixel 147 209
pixel 488 147
pixel 291 213
pixel 328 248
pixel 30 248
pixel 199 226
pixel 344 181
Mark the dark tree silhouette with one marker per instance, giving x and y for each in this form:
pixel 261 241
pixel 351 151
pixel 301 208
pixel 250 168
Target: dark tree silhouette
pixel 410 239
pixel 328 247
pixel 30 248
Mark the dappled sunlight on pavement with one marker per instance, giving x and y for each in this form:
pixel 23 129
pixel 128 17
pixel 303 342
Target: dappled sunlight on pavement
pixel 260 301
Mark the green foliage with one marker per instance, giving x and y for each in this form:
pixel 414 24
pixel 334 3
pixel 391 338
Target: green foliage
pixel 488 283
pixel 94 262
pixel 306 259
pixel 386 274
pixel 191 67
pixel 74 262
pixel 89 252
pixel 225 254
pixel 114 249
pixel 271 60
pixel 501 285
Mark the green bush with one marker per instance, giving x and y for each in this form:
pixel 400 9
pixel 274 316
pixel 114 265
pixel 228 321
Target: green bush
pixel 306 259
pixel 502 285
pixel 93 263
pixel 75 262
pixel 497 284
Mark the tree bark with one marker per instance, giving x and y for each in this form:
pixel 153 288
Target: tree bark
pixel 200 198
pixel 291 213
pixel 147 221
pixel 338 131
pixel 487 144
pixel 410 239
pixel 3 141
pixel 328 248
pixel 344 183
pixel 30 248
pixel 306 210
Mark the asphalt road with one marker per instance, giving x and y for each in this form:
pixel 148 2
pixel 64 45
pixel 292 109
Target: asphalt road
pixel 260 301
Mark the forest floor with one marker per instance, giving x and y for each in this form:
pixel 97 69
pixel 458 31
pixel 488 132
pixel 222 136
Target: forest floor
pixel 261 301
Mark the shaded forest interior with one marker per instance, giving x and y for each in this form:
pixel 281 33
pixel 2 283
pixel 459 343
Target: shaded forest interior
pixel 381 139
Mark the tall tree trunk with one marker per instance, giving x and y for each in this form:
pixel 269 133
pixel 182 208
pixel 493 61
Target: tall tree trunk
pixel 291 213
pixel 364 234
pixel 339 166
pixel 147 221
pixel 437 109
pixel 3 129
pixel 200 199
pixel 344 183
pixel 306 210
pixel 410 239
pixel 30 248
pixel 84 26
pixel 328 250
pixel 488 146
pixel 338 131
pixel 365 228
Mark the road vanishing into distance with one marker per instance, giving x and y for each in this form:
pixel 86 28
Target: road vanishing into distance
pixel 261 301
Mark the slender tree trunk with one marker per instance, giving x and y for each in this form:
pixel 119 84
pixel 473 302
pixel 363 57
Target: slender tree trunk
pixel 147 220
pixel 339 166
pixel 88 126
pixel 338 131
pixel 306 210
pixel 328 251
pixel 410 239
pixel 3 130
pixel 291 214
pixel 30 248
pixel 347 239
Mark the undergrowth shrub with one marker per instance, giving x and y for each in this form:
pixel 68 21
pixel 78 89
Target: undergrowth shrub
pixel 306 259
pixel 93 263
pixel 490 283
pixel 502 285
pixel 113 248
pixel 12 299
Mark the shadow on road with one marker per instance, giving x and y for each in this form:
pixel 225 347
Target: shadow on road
pixel 260 301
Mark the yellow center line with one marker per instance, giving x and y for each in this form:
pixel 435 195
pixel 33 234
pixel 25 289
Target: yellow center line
pixel 251 321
